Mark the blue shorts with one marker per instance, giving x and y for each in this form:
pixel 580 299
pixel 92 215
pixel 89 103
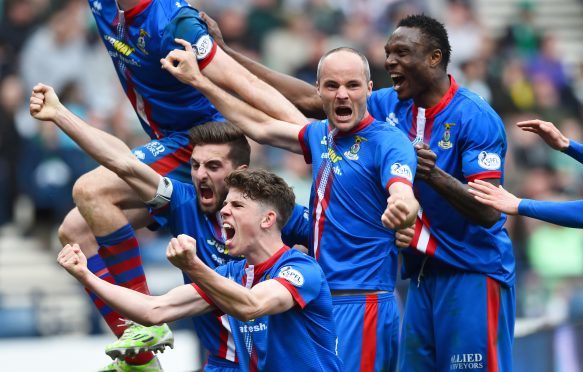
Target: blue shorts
pixel 215 364
pixel 368 331
pixel 457 320
pixel 169 156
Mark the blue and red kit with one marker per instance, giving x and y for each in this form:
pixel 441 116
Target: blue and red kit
pixel 302 338
pixel 351 175
pixel 183 216
pixel 462 273
pixel 136 40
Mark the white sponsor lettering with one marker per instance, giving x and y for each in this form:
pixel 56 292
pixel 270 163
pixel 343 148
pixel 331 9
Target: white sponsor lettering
pixel 489 160
pixel 248 328
pixel 466 361
pixel 156 148
pixel 291 275
pixel 203 47
pixel 402 170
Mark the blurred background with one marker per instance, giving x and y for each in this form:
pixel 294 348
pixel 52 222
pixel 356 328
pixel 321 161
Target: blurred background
pixel 524 57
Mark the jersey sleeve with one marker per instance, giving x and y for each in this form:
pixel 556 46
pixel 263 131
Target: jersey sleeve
pixel 188 25
pixel 297 228
pixel 303 137
pixel 167 215
pixel 376 104
pixel 222 270
pixel 397 159
pixel 302 277
pixel 575 150
pixel 567 213
pixel 483 147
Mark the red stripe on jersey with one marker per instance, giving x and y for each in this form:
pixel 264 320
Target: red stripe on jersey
pixel 203 295
pixel 320 221
pixel 398 179
pixel 369 334
pixel 205 62
pixel 223 339
pixel 172 161
pixel 126 245
pixel 485 175
pixel 253 360
pixel 417 233
pixel 147 108
pixel 131 13
pixel 293 291
pixel 155 127
pixel 423 241
pixel 493 303
pixel 444 101
pixel 305 148
pixel 413 129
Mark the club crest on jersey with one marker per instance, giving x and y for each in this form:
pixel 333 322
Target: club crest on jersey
pixel 402 170
pixel 489 160
pixel 203 47
pixel 142 41
pixel 445 142
pixel 352 154
pixel 291 275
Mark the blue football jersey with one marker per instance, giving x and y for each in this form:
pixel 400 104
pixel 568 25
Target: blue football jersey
pixel 302 338
pixel 183 216
pixel 469 140
pixel 136 40
pixel 351 175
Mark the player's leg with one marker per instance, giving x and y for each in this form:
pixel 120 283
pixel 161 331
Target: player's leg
pixel 417 346
pixel 367 329
pixel 476 324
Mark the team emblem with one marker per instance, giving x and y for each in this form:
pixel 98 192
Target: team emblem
pixel 142 41
pixel 352 154
pixel 291 275
pixel 445 140
pixel 489 160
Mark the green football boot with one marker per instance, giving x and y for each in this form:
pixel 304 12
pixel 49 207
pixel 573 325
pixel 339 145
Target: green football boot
pixel 137 339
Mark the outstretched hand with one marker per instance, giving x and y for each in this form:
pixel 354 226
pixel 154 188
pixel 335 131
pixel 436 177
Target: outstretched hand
pixel 182 64
pixel 73 260
pixel 495 197
pixel 44 103
pixel 181 252
pixel 214 30
pixel 547 131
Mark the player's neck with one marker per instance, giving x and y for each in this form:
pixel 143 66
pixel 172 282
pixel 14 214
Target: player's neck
pixel 263 249
pixel 127 4
pixel 435 92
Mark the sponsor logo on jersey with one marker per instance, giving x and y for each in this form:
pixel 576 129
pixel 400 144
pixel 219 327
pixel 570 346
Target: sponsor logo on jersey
pixel 324 141
pixel 291 275
pixel 489 160
pixel 139 154
pixel 402 170
pixel 155 147
pixel 96 7
pixel 392 119
pixel 466 361
pixel 445 139
pixel 119 46
pixel 142 41
pixel 333 156
pixel 203 47
pixel 352 154
pixel 250 328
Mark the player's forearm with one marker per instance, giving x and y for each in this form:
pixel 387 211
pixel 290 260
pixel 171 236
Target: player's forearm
pixel 230 297
pixel 303 95
pixel 568 213
pixel 456 193
pixel 575 150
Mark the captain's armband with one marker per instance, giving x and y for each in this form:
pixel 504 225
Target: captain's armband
pixel 163 194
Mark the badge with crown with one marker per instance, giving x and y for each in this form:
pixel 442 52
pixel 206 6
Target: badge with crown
pixel 445 139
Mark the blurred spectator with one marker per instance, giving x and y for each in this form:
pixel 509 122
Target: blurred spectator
pixel 522 37
pixel 263 18
pixel 465 33
pixel 474 76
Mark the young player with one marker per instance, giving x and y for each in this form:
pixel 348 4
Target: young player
pixel 277 298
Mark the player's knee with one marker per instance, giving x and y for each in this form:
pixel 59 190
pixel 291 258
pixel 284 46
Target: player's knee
pixel 87 189
pixel 71 228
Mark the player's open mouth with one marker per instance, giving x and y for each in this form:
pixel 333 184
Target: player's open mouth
pixel 343 112
pixel 398 80
pixel 205 192
pixel 229 232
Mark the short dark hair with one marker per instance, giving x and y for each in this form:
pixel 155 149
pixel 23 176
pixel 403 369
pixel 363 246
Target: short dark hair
pixel 215 132
pixel 266 188
pixel 365 63
pixel 433 30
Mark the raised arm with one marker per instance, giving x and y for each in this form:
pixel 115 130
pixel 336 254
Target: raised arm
pixel 254 123
pixel 402 207
pixel 455 192
pixel 106 149
pixel 269 297
pixel 553 137
pixel 303 95
pixel 148 310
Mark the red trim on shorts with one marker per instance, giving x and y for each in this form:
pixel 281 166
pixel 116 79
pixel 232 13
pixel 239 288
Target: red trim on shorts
pixel 293 291
pixel 485 175
pixel 493 303
pixel 369 333
pixel 305 148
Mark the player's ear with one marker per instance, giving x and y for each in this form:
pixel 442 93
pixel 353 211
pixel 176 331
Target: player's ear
pixel 269 219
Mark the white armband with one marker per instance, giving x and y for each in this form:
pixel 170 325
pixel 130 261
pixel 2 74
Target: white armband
pixel 163 194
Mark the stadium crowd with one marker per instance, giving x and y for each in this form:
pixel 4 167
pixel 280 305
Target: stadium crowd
pixel 520 74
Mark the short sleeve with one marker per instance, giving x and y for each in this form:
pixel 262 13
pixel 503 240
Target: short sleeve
pixel 188 25
pixel 303 137
pixel 302 277
pixel 297 228
pixel 484 147
pixel 170 214
pixel 397 159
